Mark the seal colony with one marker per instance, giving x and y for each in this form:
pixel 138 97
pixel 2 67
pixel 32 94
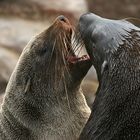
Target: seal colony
pixel 43 100
pixel 114 48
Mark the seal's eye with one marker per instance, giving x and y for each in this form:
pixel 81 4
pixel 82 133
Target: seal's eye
pixel 43 51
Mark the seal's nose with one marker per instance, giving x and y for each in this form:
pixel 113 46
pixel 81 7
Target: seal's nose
pixel 84 22
pixel 62 18
pixel 88 18
pixel 84 19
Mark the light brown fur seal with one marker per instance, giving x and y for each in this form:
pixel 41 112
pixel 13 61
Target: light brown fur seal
pixel 43 100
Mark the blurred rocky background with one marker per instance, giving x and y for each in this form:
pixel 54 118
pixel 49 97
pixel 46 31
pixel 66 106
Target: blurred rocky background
pixel 22 19
pixel 116 9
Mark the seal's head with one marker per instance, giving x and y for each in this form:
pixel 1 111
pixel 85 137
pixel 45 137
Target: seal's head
pixel 103 37
pixel 49 61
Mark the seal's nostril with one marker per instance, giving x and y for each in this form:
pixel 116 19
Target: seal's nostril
pixel 62 18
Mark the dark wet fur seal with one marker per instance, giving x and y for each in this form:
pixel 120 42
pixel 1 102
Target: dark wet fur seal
pixel 114 47
pixel 43 100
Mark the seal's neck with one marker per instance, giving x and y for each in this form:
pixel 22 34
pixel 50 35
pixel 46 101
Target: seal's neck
pixel 61 117
pixel 117 99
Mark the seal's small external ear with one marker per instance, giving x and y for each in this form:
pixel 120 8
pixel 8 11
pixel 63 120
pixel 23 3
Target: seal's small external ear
pixel 27 86
pixel 104 66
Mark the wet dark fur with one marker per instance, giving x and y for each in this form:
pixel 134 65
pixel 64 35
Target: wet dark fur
pixel 114 47
pixel 43 100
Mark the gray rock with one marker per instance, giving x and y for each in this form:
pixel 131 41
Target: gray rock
pixel 15 32
pixel 41 9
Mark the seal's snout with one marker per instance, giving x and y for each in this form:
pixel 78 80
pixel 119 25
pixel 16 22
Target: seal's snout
pixel 87 19
pixel 84 22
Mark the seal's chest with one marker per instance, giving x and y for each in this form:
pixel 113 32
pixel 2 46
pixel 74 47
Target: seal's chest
pixel 63 125
pixel 62 128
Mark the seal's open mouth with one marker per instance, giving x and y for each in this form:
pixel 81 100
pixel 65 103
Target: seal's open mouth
pixel 68 46
pixel 75 59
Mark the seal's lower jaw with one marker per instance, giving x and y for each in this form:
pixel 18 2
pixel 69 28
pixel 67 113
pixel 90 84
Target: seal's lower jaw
pixel 79 67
